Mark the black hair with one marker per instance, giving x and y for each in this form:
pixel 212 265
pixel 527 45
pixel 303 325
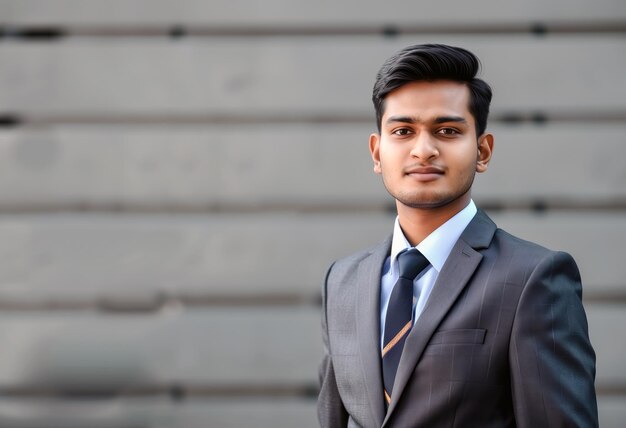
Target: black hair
pixel 433 62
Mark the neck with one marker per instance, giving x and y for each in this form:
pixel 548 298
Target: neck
pixel 418 223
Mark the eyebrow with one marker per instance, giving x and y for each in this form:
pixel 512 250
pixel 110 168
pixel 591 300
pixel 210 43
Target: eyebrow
pixel 437 120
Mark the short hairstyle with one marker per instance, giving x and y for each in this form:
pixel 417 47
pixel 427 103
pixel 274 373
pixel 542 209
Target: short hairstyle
pixel 433 62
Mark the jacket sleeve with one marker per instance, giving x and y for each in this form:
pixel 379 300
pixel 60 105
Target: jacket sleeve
pixel 330 410
pixel 551 358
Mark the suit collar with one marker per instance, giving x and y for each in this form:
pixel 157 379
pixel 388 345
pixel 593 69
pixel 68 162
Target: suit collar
pixel 479 233
pixel 368 327
pixel 456 272
pixel 436 247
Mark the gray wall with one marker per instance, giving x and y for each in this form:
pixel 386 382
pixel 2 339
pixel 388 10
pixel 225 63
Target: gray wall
pixel 175 177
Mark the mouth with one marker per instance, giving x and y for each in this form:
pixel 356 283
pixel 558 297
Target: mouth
pixel 425 173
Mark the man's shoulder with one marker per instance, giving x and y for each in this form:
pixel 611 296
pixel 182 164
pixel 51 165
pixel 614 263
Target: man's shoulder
pixel 502 247
pixel 504 237
pixel 349 263
pixel 502 240
pixel 529 265
pixel 526 253
pixel 358 256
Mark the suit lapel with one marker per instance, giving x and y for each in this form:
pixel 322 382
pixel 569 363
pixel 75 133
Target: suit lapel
pixel 454 276
pixel 368 326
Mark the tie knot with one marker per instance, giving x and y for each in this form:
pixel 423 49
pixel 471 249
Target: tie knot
pixel 411 262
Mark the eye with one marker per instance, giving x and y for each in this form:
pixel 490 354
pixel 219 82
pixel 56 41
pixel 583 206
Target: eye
pixel 448 131
pixel 401 132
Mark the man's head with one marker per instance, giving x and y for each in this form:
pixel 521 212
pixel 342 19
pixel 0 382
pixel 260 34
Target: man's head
pixel 433 62
pixel 432 114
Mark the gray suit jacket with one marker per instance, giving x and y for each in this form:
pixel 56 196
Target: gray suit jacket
pixel 502 341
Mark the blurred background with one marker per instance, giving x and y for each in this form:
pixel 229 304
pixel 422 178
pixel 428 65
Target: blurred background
pixel 176 176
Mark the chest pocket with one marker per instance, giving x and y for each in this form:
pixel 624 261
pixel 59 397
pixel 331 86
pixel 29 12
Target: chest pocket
pixel 443 339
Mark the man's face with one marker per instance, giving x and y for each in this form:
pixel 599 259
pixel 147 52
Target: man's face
pixel 428 151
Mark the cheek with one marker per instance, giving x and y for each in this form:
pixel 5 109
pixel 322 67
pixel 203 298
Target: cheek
pixel 393 153
pixel 386 158
pixel 466 160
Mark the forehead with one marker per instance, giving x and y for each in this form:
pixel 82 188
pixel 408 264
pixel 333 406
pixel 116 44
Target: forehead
pixel 427 100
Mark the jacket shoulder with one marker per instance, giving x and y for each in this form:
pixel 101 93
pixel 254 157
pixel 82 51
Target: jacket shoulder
pixel 523 257
pixel 346 267
pixel 505 239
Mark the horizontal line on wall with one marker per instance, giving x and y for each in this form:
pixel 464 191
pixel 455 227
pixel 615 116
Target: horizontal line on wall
pixel 543 205
pixel 612 390
pixel 181 392
pixel 200 208
pixel 175 31
pixel 151 303
pixel 605 296
pixel 177 392
pixel 532 205
pixel 19 119
pixel 156 302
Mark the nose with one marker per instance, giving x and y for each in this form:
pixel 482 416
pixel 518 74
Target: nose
pixel 424 147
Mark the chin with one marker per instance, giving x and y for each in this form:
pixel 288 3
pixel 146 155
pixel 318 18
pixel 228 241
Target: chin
pixel 424 204
pixel 428 200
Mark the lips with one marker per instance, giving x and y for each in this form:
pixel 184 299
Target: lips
pixel 425 173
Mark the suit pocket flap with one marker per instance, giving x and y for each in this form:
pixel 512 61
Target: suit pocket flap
pixel 458 336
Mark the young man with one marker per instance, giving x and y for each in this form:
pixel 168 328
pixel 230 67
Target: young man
pixel 450 322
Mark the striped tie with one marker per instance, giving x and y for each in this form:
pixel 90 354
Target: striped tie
pixel 399 318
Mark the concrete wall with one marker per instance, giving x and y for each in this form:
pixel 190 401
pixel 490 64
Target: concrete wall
pixel 175 177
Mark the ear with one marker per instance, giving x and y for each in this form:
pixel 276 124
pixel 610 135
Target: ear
pixel 375 152
pixel 485 150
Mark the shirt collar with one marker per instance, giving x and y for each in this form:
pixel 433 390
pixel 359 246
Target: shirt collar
pixel 437 246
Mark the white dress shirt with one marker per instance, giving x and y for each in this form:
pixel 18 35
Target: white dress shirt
pixel 436 247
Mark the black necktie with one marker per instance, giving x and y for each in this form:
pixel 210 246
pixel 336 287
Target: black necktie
pixel 399 319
